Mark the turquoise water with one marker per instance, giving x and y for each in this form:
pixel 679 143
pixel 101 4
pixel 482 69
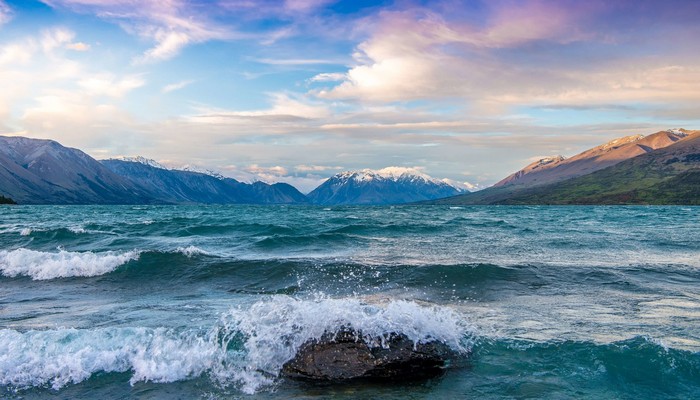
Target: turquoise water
pixel 163 302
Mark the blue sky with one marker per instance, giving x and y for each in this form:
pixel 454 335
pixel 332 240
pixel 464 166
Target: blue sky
pixel 298 90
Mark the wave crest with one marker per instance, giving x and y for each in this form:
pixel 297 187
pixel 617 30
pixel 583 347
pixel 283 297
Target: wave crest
pixel 43 265
pixel 274 329
pixel 245 349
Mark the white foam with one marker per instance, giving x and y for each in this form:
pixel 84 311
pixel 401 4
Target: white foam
pixel 78 229
pixel 274 329
pixel 63 356
pixel 42 265
pixel 266 335
pixel 191 251
pixel 25 231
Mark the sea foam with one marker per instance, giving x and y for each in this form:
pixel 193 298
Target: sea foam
pixel 274 329
pixel 44 265
pixel 59 357
pixel 245 349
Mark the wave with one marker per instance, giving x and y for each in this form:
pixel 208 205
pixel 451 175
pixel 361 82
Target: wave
pixel 41 265
pixel 245 349
pixel 639 367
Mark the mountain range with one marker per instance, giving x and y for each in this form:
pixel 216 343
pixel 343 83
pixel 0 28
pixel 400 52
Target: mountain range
pixel 35 171
pixel 662 168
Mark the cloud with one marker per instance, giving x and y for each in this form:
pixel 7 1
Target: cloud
pixel 521 53
pixel 5 13
pixel 55 38
pixel 328 77
pixel 284 109
pixel 78 46
pixel 265 9
pixel 316 168
pixel 305 6
pixel 275 171
pixel 47 93
pixel 176 86
pixel 170 24
pixel 108 85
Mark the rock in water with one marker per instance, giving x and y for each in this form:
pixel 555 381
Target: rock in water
pixel 344 355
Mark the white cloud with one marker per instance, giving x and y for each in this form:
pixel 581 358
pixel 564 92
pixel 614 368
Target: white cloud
pixel 170 24
pixel 275 171
pixel 254 172
pixel 329 77
pixel 419 55
pixel 284 109
pixel 176 86
pixel 15 53
pixel 108 85
pixel 55 38
pixel 316 168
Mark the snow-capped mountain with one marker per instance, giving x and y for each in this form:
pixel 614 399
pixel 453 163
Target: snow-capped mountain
pixel 142 160
pixel 200 170
pixel 392 185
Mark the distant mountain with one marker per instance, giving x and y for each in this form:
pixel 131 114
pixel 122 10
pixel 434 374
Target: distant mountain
pixel 34 171
pixel 556 169
pixel 393 185
pixel 667 175
pixel 670 175
pixel 178 186
pixel 205 171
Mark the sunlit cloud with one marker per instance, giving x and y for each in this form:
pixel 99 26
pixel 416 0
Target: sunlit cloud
pixel 78 46
pixel 108 85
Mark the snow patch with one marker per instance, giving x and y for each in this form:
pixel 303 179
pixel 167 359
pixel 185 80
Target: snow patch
pixel 396 174
pixel 141 160
pixel 201 170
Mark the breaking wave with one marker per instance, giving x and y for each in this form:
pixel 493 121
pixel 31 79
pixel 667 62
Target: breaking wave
pixel 245 349
pixel 41 265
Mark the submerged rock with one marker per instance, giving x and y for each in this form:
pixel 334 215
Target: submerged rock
pixel 344 355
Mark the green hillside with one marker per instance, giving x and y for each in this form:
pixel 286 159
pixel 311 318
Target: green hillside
pixel 667 176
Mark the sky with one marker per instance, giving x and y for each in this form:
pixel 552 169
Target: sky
pixel 298 90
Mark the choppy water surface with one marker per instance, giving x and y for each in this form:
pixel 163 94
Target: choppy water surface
pixel 209 302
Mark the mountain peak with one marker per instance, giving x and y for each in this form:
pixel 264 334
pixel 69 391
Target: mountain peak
pixel 201 170
pixel 621 141
pixel 389 173
pixel 680 132
pixel 391 185
pixel 141 160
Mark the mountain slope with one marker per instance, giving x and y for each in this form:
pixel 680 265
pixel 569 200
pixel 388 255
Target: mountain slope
pixel 556 169
pixel 177 186
pixel 35 171
pixel 669 175
pixel 391 185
